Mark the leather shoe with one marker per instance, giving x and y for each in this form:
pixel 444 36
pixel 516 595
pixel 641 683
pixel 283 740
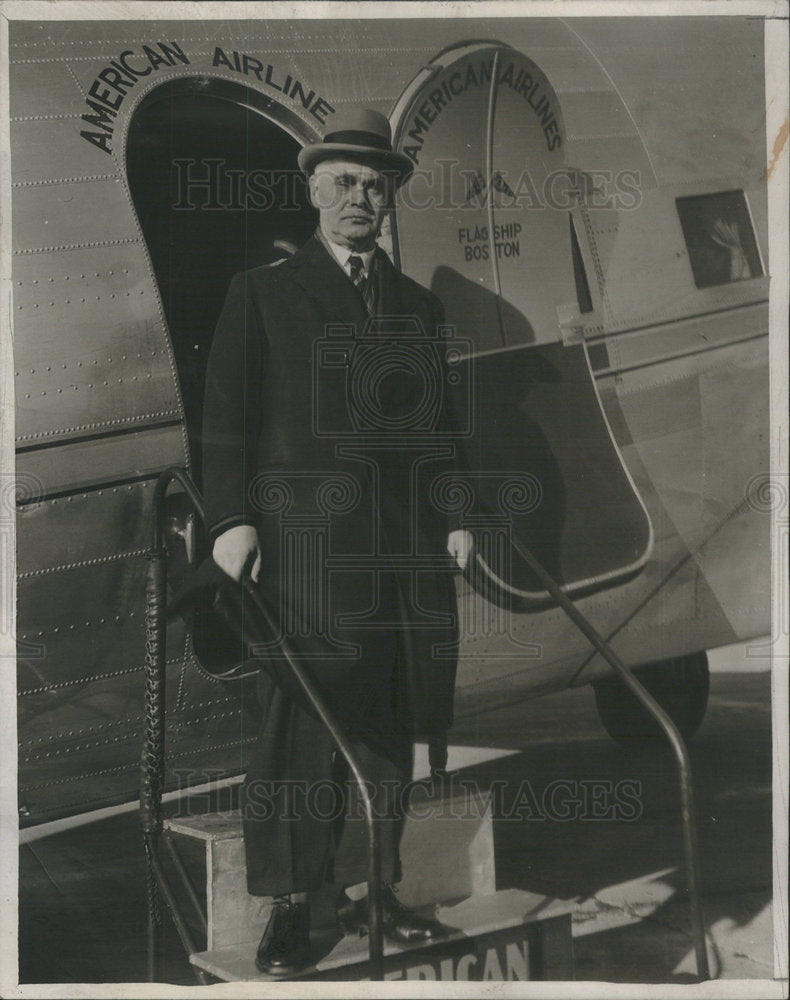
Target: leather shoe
pixel 399 923
pixel 285 946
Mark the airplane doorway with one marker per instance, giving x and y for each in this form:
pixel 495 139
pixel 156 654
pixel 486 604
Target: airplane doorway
pixel 217 190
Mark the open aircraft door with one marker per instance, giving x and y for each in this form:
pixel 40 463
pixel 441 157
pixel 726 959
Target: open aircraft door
pixel 486 224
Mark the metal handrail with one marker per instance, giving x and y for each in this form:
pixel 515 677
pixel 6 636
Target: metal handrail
pixel 153 758
pixel 690 844
pixel 152 765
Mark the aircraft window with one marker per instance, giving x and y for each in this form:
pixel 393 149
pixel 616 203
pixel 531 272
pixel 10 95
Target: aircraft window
pixel 217 190
pixel 719 238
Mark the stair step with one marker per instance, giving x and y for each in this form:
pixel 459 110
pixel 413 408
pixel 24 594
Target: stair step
pixel 509 935
pixel 447 853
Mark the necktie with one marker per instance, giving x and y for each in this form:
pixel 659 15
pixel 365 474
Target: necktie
pixel 363 285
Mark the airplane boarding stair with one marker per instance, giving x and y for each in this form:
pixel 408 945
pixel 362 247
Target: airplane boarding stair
pixel 447 853
pixel 448 860
pixel 447 848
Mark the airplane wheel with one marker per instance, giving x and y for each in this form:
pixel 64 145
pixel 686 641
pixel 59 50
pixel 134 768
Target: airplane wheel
pixel 679 685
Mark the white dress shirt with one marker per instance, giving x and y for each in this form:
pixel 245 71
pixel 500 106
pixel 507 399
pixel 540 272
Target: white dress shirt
pixel 343 253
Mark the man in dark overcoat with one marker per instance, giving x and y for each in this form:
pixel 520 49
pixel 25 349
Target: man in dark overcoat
pixel 327 424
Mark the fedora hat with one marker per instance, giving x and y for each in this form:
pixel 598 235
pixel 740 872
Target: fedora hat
pixel 357 133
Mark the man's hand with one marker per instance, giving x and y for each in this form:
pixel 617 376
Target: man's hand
pixel 459 545
pixel 236 549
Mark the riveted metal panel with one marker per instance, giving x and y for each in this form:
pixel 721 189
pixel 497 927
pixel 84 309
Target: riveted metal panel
pixel 104 600
pixel 94 758
pixel 32 145
pixel 72 731
pixel 110 395
pixel 98 525
pixel 48 789
pixel 43 415
pixel 72 214
pixel 77 719
pixel 91 350
pixel 74 635
pixel 68 37
pixel 44 753
pixel 80 623
pixel 69 302
pixel 43 89
pixel 81 465
pixel 25 35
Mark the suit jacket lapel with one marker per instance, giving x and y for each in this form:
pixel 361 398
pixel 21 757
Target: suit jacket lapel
pixel 324 280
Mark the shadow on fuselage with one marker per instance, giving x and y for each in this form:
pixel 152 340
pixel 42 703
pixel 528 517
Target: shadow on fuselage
pixel 537 424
